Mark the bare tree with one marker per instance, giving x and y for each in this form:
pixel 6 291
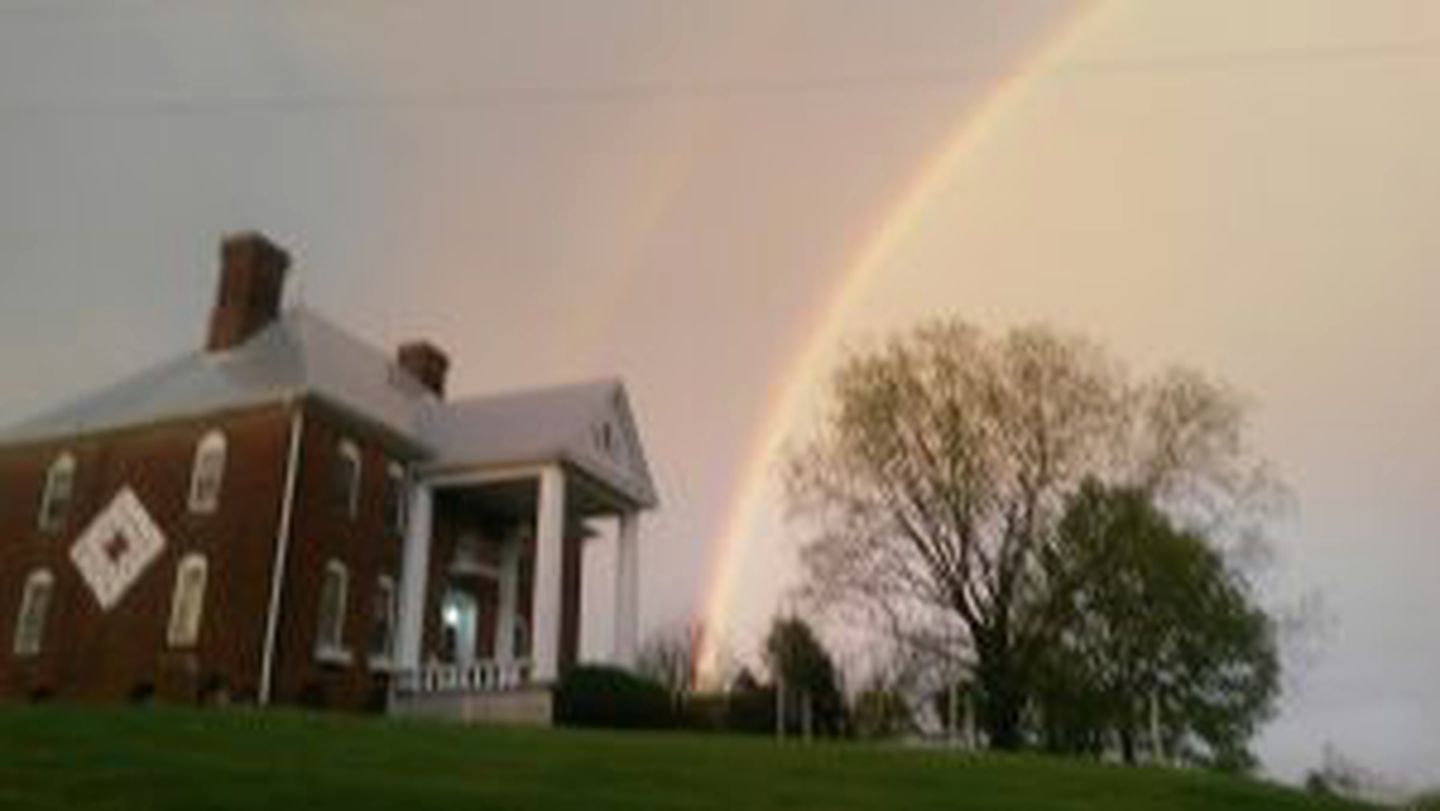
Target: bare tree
pixel 668 657
pixel 934 488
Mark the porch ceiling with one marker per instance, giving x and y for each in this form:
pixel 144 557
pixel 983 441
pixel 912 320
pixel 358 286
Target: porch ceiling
pixel 517 499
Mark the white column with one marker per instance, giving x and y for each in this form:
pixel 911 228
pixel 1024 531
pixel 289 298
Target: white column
pixel 415 576
pixel 509 598
pixel 627 589
pixel 549 555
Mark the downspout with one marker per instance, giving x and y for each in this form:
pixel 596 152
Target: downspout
pixel 282 549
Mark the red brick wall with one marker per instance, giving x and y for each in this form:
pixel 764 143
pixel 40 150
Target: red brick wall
pixel 89 654
pixel 364 544
pixel 93 655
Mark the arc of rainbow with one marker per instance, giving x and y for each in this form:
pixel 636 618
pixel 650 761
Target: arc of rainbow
pixel 801 375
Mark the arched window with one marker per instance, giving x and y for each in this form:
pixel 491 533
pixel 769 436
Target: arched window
pixel 395 497
pixel 34 607
pixel 382 629
pixel 187 607
pixel 59 492
pixel 207 475
pixel 330 633
pixel 346 481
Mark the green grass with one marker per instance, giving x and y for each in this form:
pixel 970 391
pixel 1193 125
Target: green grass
pixel 120 758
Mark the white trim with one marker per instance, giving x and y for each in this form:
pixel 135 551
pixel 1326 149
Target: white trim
pixel 210 447
pixel 508 614
pixel 395 479
pixel 330 637
pixel 330 655
pixel 415 577
pixel 627 589
pixel 470 476
pixel 187 610
pixel 64 464
pixel 348 451
pixel 384 587
pixel 29 639
pixel 282 549
pixel 548 581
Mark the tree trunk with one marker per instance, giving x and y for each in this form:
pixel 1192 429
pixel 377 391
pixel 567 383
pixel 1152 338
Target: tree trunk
pixel 1002 697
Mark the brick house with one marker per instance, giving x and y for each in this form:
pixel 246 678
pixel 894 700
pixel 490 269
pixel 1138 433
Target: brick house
pixel 292 516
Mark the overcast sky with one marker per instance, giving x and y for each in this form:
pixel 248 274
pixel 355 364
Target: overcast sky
pixel 677 191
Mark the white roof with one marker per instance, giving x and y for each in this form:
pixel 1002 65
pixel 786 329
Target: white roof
pixel 302 355
pixel 589 425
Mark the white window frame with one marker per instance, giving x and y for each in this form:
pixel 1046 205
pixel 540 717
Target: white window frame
pixel 349 452
pixel 330 641
pixel 385 600
pixel 395 480
pixel 207 473
pixel 34 612
pixel 187 604
pixel 61 472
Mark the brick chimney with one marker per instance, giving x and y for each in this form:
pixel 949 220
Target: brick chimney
pixel 426 363
pixel 252 285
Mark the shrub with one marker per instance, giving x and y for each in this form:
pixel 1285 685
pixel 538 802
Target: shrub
pixel 594 696
pixel 705 712
pixel 751 709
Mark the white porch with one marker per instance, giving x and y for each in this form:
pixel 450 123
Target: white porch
pixel 489 604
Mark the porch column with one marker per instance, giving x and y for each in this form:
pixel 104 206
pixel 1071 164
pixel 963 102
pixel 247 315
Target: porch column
pixel 415 576
pixel 509 598
pixel 549 563
pixel 627 589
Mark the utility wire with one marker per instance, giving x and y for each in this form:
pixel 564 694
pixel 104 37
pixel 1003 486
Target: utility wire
pixel 720 89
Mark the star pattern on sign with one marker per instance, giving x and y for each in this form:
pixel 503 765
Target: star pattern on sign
pixel 117 548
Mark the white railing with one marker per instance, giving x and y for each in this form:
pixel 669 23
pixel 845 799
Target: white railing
pixel 479 677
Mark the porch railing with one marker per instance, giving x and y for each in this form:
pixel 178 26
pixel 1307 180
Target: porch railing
pixel 478 677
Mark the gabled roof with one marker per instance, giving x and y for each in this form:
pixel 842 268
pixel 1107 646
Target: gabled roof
pixel 589 425
pixel 304 355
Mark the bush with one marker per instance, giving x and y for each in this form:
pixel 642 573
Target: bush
pixel 705 712
pixel 607 697
pixel 751 709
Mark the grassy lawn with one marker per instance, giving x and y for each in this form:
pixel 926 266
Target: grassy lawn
pixel 56 757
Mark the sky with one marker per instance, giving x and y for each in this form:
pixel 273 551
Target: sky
pixel 713 199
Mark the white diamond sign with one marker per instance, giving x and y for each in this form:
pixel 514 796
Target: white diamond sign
pixel 119 545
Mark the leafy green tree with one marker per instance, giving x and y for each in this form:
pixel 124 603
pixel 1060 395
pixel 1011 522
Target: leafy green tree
pixel 1161 639
pixel 935 487
pixel 806 674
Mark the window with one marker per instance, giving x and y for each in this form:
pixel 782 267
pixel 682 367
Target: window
pixel 347 478
pixel 188 605
pixel 330 636
pixel 59 492
pixel 395 498
pixel 208 473
pixel 34 606
pixel 382 629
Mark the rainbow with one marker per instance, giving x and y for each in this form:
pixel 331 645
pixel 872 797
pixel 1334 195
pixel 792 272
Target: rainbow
pixel 800 377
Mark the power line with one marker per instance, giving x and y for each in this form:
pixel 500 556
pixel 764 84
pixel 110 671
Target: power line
pixel 738 88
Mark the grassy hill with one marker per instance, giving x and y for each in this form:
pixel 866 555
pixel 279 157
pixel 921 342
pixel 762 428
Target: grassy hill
pixel 116 759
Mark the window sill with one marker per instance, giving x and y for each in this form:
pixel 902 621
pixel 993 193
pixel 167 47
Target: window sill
pixel 383 664
pixel 334 656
